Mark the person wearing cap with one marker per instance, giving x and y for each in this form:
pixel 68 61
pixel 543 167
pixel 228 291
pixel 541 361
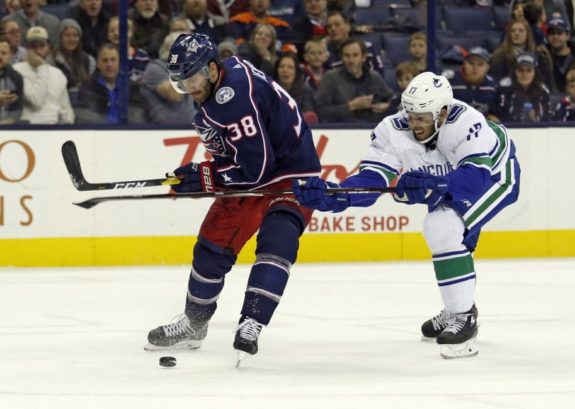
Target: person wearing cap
pixel 31 15
pixel 522 97
pixel 471 83
pixel 561 51
pixel 46 99
pixel 76 64
pixel 227 49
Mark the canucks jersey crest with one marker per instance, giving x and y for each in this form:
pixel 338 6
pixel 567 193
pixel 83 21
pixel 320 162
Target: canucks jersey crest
pixel 212 141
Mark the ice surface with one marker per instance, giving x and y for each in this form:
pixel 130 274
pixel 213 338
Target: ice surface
pixel 345 336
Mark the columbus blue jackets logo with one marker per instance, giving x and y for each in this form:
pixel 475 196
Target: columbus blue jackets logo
pixel 212 141
pixel 224 95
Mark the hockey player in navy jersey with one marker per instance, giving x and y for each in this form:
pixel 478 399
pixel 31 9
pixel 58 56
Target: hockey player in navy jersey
pixel 462 167
pixel 258 138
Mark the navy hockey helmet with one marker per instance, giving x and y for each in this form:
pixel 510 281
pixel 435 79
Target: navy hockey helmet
pixel 190 54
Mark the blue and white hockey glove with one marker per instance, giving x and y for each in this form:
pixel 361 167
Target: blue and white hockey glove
pixel 314 194
pixel 195 177
pixel 421 187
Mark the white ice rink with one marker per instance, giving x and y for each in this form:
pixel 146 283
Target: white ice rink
pixel 346 336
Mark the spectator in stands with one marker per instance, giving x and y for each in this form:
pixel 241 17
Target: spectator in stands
pixel 535 15
pixel 137 57
pixel 346 7
pixel 9 6
pixel 260 50
pixel 418 49
pixel 311 25
pixel 180 24
pixel 11 87
pixel 287 10
pixel 242 24
pixel 288 74
pixel 471 83
pixel 203 22
pixel 561 51
pixel 338 30
pixel 519 39
pixel 227 49
pixel 555 8
pixel 99 98
pixel 46 98
pixel 352 93
pixel 76 64
pixel 523 97
pixel 404 73
pixel 31 15
pixel 517 10
pixel 162 103
pixel 93 19
pixel 565 110
pixel 150 26
pixel 315 57
pixel 10 29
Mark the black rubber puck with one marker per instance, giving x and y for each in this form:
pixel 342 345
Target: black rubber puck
pixel 167 361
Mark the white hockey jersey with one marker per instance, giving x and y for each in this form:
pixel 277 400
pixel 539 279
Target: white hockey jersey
pixel 466 138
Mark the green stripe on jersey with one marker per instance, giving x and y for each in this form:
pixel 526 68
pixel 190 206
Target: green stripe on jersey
pixel 479 160
pixel 503 141
pixel 453 267
pixel 492 198
pixel 388 175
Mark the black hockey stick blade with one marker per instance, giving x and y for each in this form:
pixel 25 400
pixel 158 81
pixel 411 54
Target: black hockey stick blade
pixel 88 204
pixel 72 161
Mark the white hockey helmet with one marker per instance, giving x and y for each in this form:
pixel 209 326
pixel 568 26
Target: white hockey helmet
pixel 427 92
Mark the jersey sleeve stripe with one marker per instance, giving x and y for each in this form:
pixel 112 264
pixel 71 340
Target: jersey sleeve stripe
pixel 379 165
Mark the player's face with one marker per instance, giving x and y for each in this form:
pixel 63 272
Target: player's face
pixel 475 69
pixel 197 86
pixel 525 75
pixel 421 124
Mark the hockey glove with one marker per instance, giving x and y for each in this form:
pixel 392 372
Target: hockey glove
pixel 421 187
pixel 195 177
pixel 314 194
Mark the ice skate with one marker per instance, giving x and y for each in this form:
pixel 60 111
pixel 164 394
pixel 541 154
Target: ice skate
pixel 246 340
pixel 181 334
pixel 458 339
pixel 431 328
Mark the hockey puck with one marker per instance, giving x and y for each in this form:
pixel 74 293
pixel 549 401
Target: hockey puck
pixel 167 361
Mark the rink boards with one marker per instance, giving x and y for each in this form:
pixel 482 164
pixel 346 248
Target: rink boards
pixel 40 226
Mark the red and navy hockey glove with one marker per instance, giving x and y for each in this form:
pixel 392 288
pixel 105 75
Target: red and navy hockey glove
pixel 195 177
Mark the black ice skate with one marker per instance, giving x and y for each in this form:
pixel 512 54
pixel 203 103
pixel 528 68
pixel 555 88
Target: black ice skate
pixel 181 334
pixel 431 328
pixel 458 339
pixel 246 340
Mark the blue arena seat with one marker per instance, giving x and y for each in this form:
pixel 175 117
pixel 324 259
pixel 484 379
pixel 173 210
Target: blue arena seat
pixel 446 39
pixel 396 47
pixel 59 10
pixel 371 16
pixel 501 16
pixel 418 17
pixel 465 19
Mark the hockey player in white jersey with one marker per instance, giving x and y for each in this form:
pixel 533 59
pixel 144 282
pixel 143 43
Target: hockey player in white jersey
pixel 463 167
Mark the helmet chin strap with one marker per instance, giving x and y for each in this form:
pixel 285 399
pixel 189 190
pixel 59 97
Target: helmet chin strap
pixel 431 142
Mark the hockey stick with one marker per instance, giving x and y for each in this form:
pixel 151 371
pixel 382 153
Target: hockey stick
pixel 87 204
pixel 72 161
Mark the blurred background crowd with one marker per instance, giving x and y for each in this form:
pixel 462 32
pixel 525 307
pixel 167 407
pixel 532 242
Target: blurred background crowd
pixel 341 60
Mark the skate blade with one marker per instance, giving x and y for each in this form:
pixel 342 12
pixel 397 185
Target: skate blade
pixel 428 339
pixel 180 346
pixel 241 357
pixel 466 349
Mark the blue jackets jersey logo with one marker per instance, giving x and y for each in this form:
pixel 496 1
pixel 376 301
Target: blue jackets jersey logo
pixel 224 95
pixel 212 142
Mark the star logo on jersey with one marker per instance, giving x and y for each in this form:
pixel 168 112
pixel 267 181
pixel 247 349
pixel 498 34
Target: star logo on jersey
pixel 212 141
pixel 227 179
pixel 224 95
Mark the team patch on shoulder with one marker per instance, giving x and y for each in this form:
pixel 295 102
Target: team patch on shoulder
pixel 224 95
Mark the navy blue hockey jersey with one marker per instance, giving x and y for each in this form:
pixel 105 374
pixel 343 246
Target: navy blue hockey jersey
pixel 254 130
